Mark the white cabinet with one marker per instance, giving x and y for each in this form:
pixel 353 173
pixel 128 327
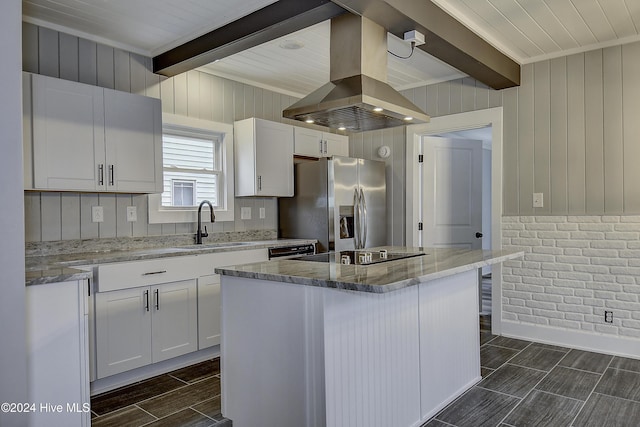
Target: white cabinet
pixel 209 308
pixel 57 347
pixel 133 142
pixel 139 326
pixel 313 143
pixel 86 138
pixel 209 304
pixel 264 158
pixel 123 330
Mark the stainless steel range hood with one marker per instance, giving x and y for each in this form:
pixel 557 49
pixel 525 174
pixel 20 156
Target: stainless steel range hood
pixel 357 98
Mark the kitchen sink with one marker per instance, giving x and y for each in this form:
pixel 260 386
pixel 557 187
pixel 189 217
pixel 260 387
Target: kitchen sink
pixel 215 245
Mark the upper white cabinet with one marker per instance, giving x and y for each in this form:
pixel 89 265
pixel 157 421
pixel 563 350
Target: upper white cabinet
pixel 133 142
pixel 313 143
pixel 80 137
pixel 264 158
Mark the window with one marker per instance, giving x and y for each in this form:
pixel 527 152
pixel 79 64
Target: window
pixel 192 166
pixel 183 193
pixel 197 165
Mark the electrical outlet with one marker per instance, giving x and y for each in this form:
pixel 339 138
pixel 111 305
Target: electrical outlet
pixel 132 213
pixel 538 200
pixel 245 213
pixel 97 214
pixel 608 316
pixel 262 213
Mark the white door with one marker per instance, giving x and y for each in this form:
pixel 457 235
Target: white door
pixel 123 330
pixel 274 158
pixel 68 135
pixel 133 135
pixel 307 142
pixel 208 311
pixel 335 145
pixel 175 316
pixel 452 193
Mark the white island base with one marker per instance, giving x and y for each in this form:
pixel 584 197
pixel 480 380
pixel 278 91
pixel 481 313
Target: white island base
pixel 295 355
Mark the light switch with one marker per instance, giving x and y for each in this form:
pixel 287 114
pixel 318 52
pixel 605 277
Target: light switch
pixel 262 213
pixel 132 213
pixel 97 214
pixel 245 213
pixel 538 200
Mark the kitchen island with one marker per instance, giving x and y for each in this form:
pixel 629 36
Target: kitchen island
pixel 327 344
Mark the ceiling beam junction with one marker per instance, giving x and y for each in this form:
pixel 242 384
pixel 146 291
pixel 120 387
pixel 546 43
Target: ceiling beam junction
pixel 271 22
pixel 445 38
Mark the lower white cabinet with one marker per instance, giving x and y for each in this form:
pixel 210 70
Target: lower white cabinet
pixel 57 360
pixel 209 311
pixel 139 326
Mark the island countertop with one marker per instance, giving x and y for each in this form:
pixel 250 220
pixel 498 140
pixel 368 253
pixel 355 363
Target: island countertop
pixel 374 278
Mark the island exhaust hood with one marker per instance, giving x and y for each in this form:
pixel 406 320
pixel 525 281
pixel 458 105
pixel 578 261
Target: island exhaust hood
pixel 357 98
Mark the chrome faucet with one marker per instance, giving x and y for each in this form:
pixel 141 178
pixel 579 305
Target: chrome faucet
pixel 199 233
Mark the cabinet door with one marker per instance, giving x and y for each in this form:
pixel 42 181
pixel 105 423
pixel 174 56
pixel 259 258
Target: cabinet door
pixel 123 330
pixel 335 145
pixel 307 142
pixel 133 135
pixel 174 327
pixel 208 311
pixel 274 158
pixel 68 135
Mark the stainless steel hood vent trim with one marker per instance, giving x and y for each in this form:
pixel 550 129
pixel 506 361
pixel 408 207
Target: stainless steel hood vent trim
pixel 358 68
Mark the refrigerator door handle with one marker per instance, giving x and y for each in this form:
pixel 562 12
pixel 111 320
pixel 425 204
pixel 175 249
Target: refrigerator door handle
pixel 365 221
pixel 356 213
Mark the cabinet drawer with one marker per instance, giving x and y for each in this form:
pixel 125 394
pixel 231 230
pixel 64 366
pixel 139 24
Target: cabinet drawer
pixel 133 274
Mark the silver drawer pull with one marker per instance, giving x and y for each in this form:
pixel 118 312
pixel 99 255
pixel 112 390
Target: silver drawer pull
pixel 154 272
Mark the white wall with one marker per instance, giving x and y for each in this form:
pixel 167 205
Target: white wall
pixel 13 371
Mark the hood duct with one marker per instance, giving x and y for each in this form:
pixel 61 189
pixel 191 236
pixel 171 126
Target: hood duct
pixel 357 98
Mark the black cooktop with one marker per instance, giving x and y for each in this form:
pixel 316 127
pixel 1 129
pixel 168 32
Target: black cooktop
pixel 361 257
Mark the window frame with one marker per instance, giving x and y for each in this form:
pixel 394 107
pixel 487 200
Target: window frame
pixel 175 214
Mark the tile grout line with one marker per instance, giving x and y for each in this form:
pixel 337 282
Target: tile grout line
pixel 592 391
pixel 532 388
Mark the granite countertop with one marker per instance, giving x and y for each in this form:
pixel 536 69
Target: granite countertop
pixel 376 278
pixel 42 269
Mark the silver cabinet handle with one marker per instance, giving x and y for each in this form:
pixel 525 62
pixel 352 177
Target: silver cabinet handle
pixel 146 295
pixel 100 174
pixel 259 182
pixel 325 147
pixel 154 272
pixel 111 175
pixel 320 146
pixel 157 295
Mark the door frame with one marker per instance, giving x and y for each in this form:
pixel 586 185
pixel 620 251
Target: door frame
pixel 450 123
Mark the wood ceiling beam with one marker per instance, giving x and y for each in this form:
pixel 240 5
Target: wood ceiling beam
pixel 445 38
pixel 275 20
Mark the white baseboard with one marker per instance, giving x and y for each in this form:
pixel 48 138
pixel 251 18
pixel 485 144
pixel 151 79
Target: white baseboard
pixel 120 380
pixel 581 340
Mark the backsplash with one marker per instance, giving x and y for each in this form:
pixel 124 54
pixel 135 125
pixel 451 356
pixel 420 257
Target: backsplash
pixel 54 216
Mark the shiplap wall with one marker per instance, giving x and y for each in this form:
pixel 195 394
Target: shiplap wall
pixel 61 216
pixel 577 135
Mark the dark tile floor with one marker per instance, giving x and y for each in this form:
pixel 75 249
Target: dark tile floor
pixel 524 384
pixel 186 397
pixel 530 384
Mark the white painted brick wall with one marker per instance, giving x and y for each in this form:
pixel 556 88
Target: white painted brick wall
pixel 574 268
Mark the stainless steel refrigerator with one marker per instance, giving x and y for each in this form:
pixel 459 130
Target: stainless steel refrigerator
pixel 339 201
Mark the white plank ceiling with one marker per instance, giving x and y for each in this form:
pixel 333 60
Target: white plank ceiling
pixel 534 30
pixel 525 30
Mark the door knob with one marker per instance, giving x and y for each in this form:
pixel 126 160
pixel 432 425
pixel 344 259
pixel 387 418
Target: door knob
pixel 478 235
